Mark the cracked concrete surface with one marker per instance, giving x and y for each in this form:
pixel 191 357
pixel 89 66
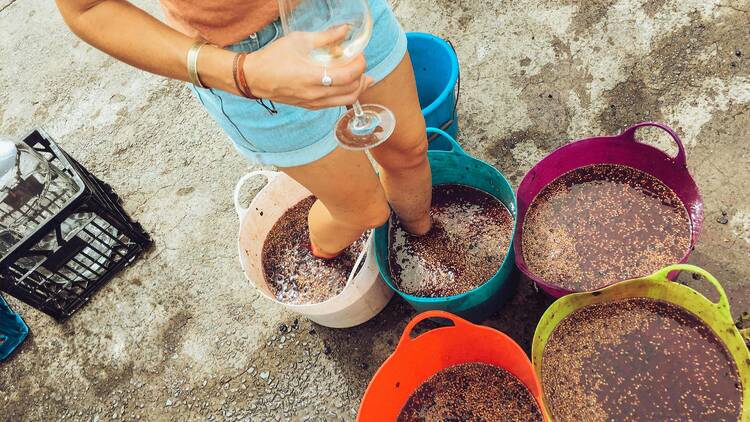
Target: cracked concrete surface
pixel 182 336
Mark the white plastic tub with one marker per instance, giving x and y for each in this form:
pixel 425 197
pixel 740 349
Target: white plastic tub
pixel 363 297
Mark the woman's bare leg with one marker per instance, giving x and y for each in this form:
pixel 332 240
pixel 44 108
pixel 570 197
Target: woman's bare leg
pixel 405 171
pixel 350 199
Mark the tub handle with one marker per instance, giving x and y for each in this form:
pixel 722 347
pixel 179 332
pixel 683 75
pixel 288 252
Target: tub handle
pixel 406 336
pixel 455 147
pixel 680 159
pixel 357 263
pixel 722 305
pixel 242 211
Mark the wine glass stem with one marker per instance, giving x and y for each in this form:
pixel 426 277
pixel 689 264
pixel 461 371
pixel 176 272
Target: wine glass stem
pixel 360 118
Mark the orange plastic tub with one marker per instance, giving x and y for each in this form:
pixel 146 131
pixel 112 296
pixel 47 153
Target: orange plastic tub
pixel 415 360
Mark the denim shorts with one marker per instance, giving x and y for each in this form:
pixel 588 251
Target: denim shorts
pixel 295 136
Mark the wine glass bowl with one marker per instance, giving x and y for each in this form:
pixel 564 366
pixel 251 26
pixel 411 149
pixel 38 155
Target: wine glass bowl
pixel 323 15
pixel 364 126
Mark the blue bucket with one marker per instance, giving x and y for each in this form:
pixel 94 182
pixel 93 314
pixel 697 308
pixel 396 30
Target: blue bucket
pixel 453 165
pixel 13 330
pixel 438 82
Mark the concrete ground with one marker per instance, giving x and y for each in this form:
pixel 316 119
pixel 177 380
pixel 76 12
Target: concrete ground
pixel 182 335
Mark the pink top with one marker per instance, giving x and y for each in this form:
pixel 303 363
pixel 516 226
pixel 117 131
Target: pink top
pixel 221 22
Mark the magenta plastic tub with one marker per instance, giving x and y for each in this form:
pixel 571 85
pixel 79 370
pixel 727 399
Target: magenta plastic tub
pixel 623 149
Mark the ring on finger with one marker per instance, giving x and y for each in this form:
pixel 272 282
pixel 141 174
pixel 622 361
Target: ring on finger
pixel 326 81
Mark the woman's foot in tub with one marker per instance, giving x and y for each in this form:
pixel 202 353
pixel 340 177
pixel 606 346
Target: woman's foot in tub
pixel 419 228
pixel 319 253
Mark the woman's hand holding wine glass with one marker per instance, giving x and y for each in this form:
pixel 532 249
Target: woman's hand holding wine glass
pixel 364 126
pixel 296 80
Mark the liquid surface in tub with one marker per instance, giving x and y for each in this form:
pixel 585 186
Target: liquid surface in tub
pixel 468 242
pixel 471 392
pixel 638 359
pixel 293 274
pixel 599 224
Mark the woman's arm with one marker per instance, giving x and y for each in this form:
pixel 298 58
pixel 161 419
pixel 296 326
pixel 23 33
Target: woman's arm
pixel 277 72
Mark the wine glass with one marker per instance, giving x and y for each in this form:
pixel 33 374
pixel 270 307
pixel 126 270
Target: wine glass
pixel 364 126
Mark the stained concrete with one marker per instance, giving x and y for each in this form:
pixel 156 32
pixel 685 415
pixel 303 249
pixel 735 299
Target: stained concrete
pixel 182 336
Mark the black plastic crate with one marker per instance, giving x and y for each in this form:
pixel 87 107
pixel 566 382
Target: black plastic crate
pixel 59 266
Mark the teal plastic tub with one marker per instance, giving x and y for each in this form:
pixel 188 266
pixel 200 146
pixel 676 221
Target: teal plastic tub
pixel 13 330
pixel 452 165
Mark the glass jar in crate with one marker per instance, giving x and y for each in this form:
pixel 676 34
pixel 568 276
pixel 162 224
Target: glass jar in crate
pixel 31 190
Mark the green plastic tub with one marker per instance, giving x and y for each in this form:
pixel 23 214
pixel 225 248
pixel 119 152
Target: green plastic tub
pixel 452 165
pixel 658 286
